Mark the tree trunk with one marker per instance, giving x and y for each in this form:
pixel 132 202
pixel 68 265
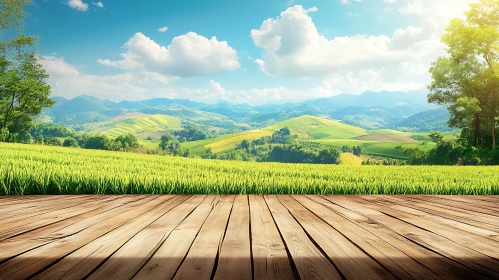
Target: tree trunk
pixel 7 111
pixel 477 129
pixel 493 125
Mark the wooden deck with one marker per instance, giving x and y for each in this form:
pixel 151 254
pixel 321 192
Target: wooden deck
pixel 249 237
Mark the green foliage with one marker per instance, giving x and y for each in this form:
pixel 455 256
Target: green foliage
pixel 191 134
pixel 23 91
pixel 100 142
pixel 23 94
pixel 127 141
pixel 467 80
pixel 52 141
pixel 70 142
pixel 34 169
pixel 170 145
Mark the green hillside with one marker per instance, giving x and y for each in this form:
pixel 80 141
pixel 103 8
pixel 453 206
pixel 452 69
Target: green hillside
pixel 311 127
pixel 306 127
pixel 137 124
pixel 380 142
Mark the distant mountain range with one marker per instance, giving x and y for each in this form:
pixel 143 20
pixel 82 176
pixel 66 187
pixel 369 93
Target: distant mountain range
pixel 370 110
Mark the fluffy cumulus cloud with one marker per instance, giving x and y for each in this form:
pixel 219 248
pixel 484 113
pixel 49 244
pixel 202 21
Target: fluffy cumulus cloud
pixel 293 47
pixel 163 29
pixel 78 4
pixel 187 56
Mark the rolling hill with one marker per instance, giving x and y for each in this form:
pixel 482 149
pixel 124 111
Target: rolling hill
pixel 137 124
pixel 369 110
pixel 320 130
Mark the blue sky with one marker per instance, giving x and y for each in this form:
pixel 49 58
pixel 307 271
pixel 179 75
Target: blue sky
pixel 241 51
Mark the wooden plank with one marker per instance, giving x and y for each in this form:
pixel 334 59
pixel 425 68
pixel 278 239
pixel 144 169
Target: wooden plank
pixel 165 262
pixel 130 258
pixel 234 261
pixel 467 257
pixel 476 200
pixel 22 199
pixel 117 244
pixel 19 244
pixel 200 261
pixel 309 261
pixel 474 238
pixel 9 214
pixel 37 209
pixel 18 207
pixel 350 261
pixel 270 259
pixel 24 225
pixel 463 205
pixel 395 260
pixel 31 262
pixel 477 219
pixel 444 267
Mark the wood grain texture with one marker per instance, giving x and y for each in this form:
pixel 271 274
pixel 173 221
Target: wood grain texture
pixel 200 261
pixel 308 259
pixel 270 259
pixel 166 260
pixel 396 261
pixel 234 261
pixel 249 237
pixel 443 246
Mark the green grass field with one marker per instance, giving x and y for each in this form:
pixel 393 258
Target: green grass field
pixel 33 169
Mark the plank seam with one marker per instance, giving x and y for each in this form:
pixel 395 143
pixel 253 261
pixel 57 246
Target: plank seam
pixel 190 246
pixel 324 254
pixel 215 265
pixel 291 261
pixel 351 241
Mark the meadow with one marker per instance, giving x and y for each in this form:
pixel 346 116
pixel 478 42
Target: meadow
pixel 33 169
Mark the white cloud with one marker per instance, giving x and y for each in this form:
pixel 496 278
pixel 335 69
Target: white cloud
pixel 293 47
pixel 66 80
pixel 218 87
pixel 163 29
pixel 98 4
pixel 188 55
pixel 78 4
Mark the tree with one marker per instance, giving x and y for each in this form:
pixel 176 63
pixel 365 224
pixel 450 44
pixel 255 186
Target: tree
pixel 467 80
pixel 346 149
pixel 245 145
pixel 127 141
pixel 357 150
pixel 329 155
pixel 70 142
pixel 23 90
pixel 99 142
pixel 169 144
pixel 53 141
pixel 437 137
pixel 187 153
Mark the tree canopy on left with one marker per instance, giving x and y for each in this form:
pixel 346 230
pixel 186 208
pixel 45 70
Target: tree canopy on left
pixel 23 88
